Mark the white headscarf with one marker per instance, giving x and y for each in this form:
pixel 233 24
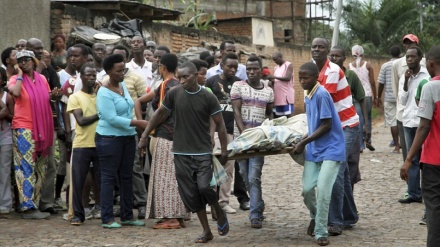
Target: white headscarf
pixel 358 51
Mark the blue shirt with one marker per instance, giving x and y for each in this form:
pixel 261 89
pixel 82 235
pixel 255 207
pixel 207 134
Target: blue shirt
pixel 331 146
pixel 115 112
pixel 216 70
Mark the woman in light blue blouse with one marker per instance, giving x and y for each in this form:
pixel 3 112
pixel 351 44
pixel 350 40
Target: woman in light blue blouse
pixel 115 143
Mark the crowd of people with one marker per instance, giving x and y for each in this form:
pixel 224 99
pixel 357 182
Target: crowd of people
pixel 134 127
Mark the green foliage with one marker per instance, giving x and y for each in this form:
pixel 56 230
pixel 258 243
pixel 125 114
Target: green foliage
pixel 377 25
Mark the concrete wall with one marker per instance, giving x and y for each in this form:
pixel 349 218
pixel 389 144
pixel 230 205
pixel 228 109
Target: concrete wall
pixel 24 19
pixel 178 39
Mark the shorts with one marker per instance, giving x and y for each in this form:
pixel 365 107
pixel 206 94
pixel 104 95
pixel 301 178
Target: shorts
pixel 194 175
pixel 283 110
pixel 390 114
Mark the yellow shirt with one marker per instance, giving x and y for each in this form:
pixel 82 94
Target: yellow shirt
pixel 84 135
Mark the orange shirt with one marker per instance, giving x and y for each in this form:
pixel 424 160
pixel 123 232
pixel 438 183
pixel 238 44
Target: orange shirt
pixel 22 109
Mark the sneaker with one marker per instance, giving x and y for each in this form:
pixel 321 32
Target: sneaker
pixel 66 216
pixel 88 213
pixel 228 209
pixel 96 212
pixel 76 221
pixel 334 230
pixel 35 214
pixel 133 223
pixel 423 220
pixel 256 223
pixel 59 204
pixel 112 225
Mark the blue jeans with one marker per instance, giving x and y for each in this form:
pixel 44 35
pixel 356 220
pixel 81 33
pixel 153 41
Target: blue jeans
pixel 342 206
pixel 322 176
pixel 358 107
pixel 116 157
pixel 414 190
pixel 250 170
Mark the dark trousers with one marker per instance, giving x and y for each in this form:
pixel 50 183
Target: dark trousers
pixel 194 175
pixel 81 159
pixel 431 196
pixel 240 190
pixel 116 156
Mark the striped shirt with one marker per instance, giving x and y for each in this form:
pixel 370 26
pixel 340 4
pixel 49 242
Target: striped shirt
pixel 385 78
pixel 333 79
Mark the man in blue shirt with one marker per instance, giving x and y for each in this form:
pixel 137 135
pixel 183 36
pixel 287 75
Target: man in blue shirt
pixel 325 151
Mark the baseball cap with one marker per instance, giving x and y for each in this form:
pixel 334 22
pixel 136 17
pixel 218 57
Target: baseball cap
pixel 265 72
pixel 411 37
pixel 25 53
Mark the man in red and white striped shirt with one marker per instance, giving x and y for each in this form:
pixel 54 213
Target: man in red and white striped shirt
pixel 342 211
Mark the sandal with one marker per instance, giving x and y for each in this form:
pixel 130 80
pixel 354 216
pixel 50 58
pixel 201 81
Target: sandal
pixel 223 230
pixel 311 228
pixel 204 239
pixel 323 241
pixel 166 226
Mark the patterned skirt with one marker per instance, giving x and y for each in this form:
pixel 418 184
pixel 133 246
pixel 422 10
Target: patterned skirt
pixel 163 194
pixel 30 169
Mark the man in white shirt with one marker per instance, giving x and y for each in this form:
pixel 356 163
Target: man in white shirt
pixel 398 70
pixel 407 90
pixel 227 47
pixel 139 64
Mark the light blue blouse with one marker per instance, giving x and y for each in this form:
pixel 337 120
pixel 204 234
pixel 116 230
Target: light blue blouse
pixel 115 112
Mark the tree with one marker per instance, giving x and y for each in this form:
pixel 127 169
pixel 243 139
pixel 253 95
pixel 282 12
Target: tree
pixel 377 25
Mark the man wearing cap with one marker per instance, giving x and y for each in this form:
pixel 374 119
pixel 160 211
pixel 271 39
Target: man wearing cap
pixel 398 70
pixel 282 82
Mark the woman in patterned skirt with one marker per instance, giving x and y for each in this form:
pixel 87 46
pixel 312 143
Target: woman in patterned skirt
pixel 164 201
pixel 33 130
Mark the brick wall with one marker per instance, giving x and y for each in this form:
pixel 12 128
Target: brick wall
pixel 238 27
pixel 284 9
pixel 64 17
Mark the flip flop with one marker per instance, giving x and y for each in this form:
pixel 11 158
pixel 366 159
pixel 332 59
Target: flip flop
pixel 204 239
pixel 223 230
pixel 395 152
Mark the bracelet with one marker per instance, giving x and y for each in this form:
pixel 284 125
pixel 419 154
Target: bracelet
pixel 142 139
pixel 19 78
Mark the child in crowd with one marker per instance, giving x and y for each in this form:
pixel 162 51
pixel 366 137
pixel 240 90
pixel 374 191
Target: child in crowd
pixel 325 151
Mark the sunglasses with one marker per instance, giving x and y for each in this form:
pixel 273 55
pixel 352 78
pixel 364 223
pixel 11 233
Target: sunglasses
pixel 24 59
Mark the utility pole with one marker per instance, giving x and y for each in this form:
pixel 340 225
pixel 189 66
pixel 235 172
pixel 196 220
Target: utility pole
pixel 335 38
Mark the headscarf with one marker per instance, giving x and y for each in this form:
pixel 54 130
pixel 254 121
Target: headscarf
pixel 358 51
